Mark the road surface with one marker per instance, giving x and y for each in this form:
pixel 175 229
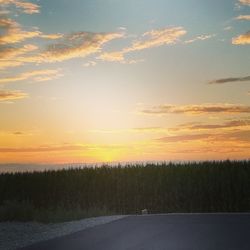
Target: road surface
pixel 160 232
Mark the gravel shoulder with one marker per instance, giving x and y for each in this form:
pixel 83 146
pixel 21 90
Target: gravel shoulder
pixel 14 235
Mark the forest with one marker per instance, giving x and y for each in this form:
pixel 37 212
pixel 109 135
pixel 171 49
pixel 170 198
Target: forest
pixel 68 194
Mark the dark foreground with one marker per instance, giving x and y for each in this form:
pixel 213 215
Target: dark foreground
pixel 158 232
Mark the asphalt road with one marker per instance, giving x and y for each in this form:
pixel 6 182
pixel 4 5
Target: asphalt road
pixel 158 232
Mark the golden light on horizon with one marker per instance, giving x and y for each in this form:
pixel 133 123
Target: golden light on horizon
pixel 113 88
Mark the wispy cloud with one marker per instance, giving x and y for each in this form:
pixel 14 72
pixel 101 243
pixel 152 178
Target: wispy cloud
pixel 116 56
pixel 242 39
pixel 50 36
pixel 62 147
pixel 230 79
pixel 150 39
pixel 239 124
pixel 156 38
pixel 89 64
pixel 228 28
pixel 200 38
pixel 197 109
pixel 26 7
pixel 228 137
pixel 244 2
pixel 130 130
pixel 12 57
pixel 10 95
pixel 75 45
pixel 36 75
pixel 148 129
pixel 79 44
pixel 13 33
pixel 7 133
pixel 184 138
pixel 243 17
pixel 18 133
pixel 49 148
pixel 8 53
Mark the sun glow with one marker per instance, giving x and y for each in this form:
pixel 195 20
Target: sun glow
pixel 88 90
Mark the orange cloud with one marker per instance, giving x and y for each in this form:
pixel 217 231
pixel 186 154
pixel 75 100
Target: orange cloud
pixel 242 39
pixel 11 52
pixel 61 147
pixel 245 2
pixel 243 17
pixel 12 32
pixel 51 36
pixel 76 45
pixel 156 38
pixel 80 44
pixel 150 39
pixel 36 75
pixel 148 129
pixel 50 148
pixel 9 64
pixel 26 7
pixel 244 123
pixel 197 109
pixel 233 136
pixel 130 130
pixel 8 95
pixel 10 56
pixel 184 138
pixel 117 56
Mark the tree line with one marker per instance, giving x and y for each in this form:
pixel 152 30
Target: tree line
pixel 161 188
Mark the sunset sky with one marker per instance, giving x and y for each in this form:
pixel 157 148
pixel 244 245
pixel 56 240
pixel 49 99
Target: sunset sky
pixel 136 80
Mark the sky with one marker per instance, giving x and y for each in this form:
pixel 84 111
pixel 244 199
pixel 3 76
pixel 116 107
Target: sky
pixel 119 81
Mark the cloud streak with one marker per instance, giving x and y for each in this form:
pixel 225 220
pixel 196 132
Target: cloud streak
pixel 8 95
pixel 230 79
pixel 13 33
pixel 184 138
pixel 50 148
pixel 75 45
pixel 228 137
pixel 116 56
pixel 197 109
pixel 36 75
pixel 200 38
pixel 13 57
pixel 243 17
pixel 151 39
pixel 242 39
pixel 26 7
pixel 239 124
pixel 90 64
pixel 244 2
pixel 156 38
pixel 61 147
